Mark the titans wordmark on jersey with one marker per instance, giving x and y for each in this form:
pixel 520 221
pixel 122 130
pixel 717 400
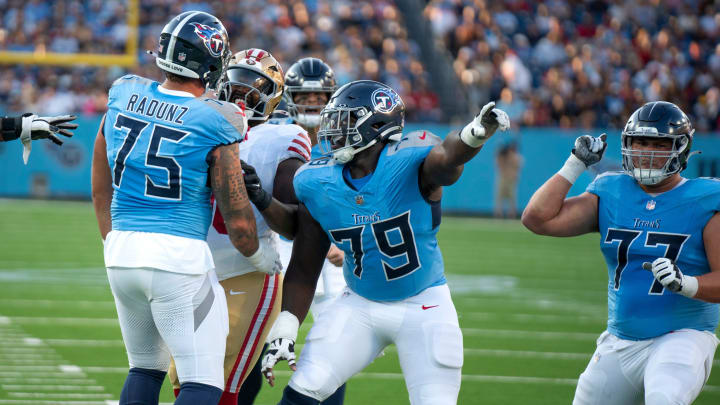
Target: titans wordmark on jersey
pixel 637 227
pixel 386 228
pixel 157 146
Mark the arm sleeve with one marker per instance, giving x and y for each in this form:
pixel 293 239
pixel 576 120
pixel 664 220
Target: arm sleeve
pixel 11 128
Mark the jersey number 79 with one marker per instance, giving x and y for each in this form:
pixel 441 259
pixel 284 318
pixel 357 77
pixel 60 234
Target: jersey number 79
pixel 381 234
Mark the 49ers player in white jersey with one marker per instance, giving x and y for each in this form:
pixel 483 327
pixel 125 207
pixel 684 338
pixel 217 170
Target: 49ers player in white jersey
pixel 255 80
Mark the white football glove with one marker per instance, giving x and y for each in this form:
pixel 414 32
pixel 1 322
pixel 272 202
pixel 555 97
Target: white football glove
pixel 484 125
pixel 670 276
pixel 282 345
pixel 588 150
pixel 266 259
pixel 34 127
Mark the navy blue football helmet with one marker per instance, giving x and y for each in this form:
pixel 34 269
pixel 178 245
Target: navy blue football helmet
pixel 308 75
pixel 194 44
pixel 358 115
pixel 658 119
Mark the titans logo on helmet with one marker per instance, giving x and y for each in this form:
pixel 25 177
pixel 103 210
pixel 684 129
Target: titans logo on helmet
pixel 211 37
pixel 384 99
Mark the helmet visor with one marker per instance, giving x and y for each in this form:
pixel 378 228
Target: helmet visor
pixel 251 88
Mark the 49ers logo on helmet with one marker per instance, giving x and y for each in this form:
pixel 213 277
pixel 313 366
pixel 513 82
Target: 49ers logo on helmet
pixel 384 100
pixel 211 37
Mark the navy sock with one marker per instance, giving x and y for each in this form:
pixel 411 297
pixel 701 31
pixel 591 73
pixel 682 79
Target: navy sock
pixel 337 398
pixel 192 393
pixel 142 387
pixel 292 397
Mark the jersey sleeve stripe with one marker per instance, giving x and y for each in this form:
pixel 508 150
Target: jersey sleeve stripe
pixel 305 136
pixel 305 146
pixel 304 154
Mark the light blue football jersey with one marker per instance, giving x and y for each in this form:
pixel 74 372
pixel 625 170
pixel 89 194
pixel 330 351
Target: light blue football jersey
pixel 637 227
pixel 386 228
pixel 157 147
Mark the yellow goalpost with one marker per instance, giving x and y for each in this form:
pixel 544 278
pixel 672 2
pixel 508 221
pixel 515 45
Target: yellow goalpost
pixel 128 59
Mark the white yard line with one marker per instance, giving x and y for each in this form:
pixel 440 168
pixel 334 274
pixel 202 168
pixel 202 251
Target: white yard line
pixel 41 387
pixel 50 395
pixel 46 303
pixel 524 334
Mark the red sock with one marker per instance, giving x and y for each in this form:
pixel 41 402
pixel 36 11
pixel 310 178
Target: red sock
pixel 228 398
pixel 176 391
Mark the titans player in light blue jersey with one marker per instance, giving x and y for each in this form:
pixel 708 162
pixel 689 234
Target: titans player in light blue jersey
pixel 377 197
pixel 161 150
pixel 660 340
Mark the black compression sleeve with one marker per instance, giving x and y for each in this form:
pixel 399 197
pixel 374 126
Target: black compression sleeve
pixel 10 128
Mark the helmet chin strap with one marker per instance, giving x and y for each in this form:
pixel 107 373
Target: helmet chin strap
pixel 345 155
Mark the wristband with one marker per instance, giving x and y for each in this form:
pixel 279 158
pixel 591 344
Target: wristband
pixel 572 169
pixel 285 327
pixel 689 286
pixel 472 136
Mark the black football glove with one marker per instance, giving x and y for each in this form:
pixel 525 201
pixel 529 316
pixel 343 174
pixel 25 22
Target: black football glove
pixel 255 192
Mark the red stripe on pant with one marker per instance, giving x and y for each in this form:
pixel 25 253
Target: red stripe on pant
pixel 229 397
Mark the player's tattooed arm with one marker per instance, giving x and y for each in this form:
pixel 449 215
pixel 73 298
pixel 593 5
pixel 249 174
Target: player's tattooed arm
pixel 101 180
pixel 709 284
pixel 226 181
pixel 308 256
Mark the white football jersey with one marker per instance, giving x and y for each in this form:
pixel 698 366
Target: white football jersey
pixel 265 147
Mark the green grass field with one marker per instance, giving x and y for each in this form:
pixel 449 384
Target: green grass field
pixel 530 308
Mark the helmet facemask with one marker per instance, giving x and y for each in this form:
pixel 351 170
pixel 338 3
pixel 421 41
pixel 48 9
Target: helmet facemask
pixel 307 115
pixel 339 135
pixel 650 167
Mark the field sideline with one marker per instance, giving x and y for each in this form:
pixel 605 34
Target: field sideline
pixel 530 308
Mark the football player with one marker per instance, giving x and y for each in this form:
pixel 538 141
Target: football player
pixel 309 84
pixel 377 197
pixel 659 343
pixel 29 127
pixel 254 79
pixel 169 147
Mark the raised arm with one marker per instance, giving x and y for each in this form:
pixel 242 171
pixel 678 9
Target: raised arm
pixel 549 212
pixel 101 180
pixel 309 249
pixel 444 164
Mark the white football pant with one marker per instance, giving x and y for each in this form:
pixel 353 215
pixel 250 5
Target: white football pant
pixel 353 331
pixel 163 313
pixel 668 370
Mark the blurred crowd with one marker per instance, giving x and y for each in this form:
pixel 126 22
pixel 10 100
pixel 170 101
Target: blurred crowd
pixel 358 39
pixel 585 63
pixel 551 63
